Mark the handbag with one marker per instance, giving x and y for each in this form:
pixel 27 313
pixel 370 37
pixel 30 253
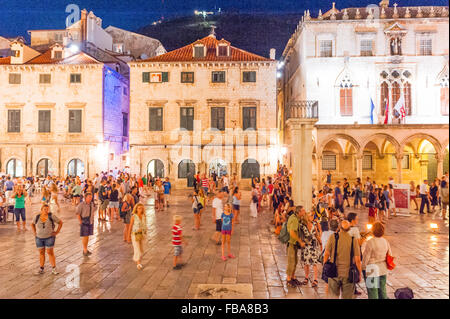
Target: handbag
pixel 199 205
pixel 330 268
pixel 353 274
pixel 389 261
pixel 139 235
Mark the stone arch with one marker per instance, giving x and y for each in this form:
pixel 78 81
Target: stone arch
pixel 387 137
pixel 50 161
pixel 336 137
pixel 436 144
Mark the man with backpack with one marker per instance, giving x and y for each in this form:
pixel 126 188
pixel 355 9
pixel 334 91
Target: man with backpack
pixel 292 227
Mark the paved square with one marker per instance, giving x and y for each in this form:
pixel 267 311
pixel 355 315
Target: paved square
pixel 422 258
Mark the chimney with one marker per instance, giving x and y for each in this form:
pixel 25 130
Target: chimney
pixel 273 54
pixel 83 25
pixel 384 3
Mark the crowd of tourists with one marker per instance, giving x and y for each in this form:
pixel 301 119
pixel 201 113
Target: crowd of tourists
pixel 326 235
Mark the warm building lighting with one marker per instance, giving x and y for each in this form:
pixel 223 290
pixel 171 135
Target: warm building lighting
pixel 369 226
pixel 433 226
pixel 74 48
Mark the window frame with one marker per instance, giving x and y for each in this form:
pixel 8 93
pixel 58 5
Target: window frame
pixel 15 76
pixel 251 79
pixel 159 127
pixel 324 163
pixel 362 46
pixel 43 76
pixel 41 120
pixel 247 123
pixel 321 48
pixel 17 126
pixel 218 117
pixel 73 128
pixel 188 74
pixel 346 101
pixel 203 48
pixel 217 74
pixel 75 76
pixel 187 118
pixel 425 46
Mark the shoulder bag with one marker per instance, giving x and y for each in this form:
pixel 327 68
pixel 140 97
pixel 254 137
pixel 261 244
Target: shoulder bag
pixel 353 274
pixel 330 268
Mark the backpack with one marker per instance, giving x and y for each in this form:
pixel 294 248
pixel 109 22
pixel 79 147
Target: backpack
pixel 404 293
pixel 36 219
pixel 284 234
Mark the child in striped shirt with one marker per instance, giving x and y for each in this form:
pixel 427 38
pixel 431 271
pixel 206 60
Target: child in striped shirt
pixel 177 240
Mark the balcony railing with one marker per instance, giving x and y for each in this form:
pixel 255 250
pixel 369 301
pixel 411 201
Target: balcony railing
pixel 302 110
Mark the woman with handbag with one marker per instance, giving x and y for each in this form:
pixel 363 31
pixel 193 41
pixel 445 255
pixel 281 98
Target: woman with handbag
pixel 196 207
pixel 377 260
pixel 138 231
pixel 310 254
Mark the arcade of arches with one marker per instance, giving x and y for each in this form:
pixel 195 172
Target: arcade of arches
pixel 414 153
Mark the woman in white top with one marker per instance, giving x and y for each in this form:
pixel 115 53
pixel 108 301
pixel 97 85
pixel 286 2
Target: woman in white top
pixel 374 263
pixel 138 233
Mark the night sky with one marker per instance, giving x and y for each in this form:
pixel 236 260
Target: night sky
pixel 18 16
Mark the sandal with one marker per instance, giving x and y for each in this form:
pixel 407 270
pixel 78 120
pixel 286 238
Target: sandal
pixel 314 284
pixel 305 281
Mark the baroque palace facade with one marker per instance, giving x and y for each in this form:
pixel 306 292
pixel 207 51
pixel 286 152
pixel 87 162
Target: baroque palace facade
pixel 336 63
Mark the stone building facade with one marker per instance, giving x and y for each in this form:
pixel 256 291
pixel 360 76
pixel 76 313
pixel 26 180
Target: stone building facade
pixel 207 107
pixel 338 63
pixel 63 115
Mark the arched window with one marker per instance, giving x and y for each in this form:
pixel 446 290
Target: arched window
pixel 444 95
pixel 75 167
pixel 346 96
pixel 44 168
pixel 384 97
pixel 156 168
pixel 250 169
pixel 407 94
pixel 14 168
pixel 219 167
pixel 186 169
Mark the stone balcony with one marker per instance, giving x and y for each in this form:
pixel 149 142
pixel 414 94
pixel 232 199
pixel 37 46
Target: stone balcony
pixel 302 110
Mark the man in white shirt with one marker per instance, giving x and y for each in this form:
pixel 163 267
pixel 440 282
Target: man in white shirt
pixel 217 211
pixel 424 196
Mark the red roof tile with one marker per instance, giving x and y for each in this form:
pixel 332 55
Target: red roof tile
pixel 185 54
pixel 46 58
pixel 6 60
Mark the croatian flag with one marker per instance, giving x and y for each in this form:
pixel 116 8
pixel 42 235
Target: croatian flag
pixel 386 111
pixel 400 110
pixel 372 107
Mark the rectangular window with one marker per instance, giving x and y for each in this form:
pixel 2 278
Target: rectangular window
pixel 367 162
pixel 187 77
pixel 346 101
pixel 405 162
pixel 218 118
pixel 44 121
pixel 15 53
pixel 155 77
pixel 124 124
pixel 187 118
pixel 57 55
pixel 366 48
pixel 199 51
pixel 249 76
pixel 15 78
pixel 156 118
pixel 75 121
pixel 249 118
pixel 218 77
pixel 326 48
pixel 329 162
pixel 426 47
pixel 45 78
pixel 14 121
pixel 75 78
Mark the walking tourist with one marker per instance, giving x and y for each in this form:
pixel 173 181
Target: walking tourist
pixel 310 254
pixel 85 213
pixel 19 206
pixel 177 241
pixel 236 202
pixel 295 242
pixel 227 230
pixel 138 233
pixel 424 197
pixel 217 211
pixel 125 214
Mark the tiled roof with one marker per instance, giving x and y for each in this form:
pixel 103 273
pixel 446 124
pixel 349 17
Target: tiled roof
pixel 185 54
pixel 389 13
pixel 6 60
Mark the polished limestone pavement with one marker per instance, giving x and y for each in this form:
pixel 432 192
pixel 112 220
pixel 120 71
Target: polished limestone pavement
pixel 259 267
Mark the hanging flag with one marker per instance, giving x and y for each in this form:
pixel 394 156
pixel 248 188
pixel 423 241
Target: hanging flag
pixel 372 107
pixel 400 109
pixel 386 111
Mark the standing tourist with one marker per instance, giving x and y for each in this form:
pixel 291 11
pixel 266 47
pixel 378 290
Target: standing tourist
pixel 167 192
pixel 374 263
pixel 54 204
pixel 345 246
pixel 227 230
pixel 85 214
pixel 19 206
pixel 177 241
pixel 217 211
pixel 113 205
pixel 125 213
pixel 138 233
pixel 434 195
pixel 104 200
pixel 43 227
pixel 310 254
pixel 196 209
pixel 159 191
pixel 424 197
pixel 338 198
pixel 346 187
pixel 295 242
pixel 358 194
pixel 413 194
pixel 76 193
pixel 237 196
pixel 372 201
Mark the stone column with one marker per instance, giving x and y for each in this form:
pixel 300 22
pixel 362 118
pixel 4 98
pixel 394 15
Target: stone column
pixel 440 165
pixel 319 171
pixel 423 170
pixel 359 165
pixel 399 158
pixel 301 137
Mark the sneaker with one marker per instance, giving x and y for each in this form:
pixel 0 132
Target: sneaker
pixel 40 271
pixel 88 253
pixel 291 284
pixel 231 256
pixel 177 267
pixel 55 272
pixel 182 265
pixel 224 258
pixel 295 281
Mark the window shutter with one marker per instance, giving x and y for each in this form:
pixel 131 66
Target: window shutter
pixel 342 100
pixel 349 106
pixel 444 101
pixel 165 76
pixel 146 77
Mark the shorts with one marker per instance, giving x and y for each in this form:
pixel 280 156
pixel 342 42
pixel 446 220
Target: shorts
pixel 113 205
pixel 127 218
pixel 104 204
pixel 177 250
pixel 226 232
pixel 86 230
pixel 372 212
pixel 19 213
pixel 205 190
pixel 196 210
pixel 45 242
pixel 218 225
pixel 225 189
pixel 236 207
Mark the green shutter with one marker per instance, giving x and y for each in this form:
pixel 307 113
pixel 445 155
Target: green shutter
pixel 146 77
pixel 165 76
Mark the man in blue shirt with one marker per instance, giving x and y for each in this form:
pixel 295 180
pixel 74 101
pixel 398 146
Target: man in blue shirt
pixel 167 192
